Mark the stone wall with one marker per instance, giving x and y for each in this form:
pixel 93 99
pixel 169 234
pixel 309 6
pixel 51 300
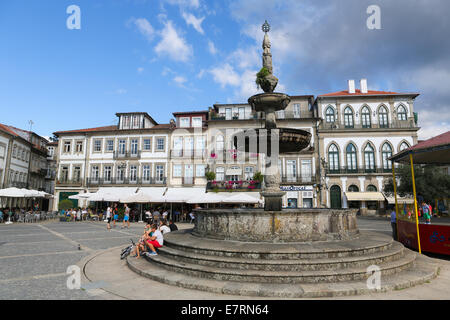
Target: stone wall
pixel 290 225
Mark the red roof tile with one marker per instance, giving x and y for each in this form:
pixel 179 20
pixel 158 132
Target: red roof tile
pixel 441 140
pixel 358 93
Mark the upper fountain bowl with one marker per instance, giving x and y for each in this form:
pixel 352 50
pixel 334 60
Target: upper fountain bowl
pixel 268 102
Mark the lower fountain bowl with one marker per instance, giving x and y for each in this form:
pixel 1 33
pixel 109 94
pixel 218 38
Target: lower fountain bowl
pixel 288 225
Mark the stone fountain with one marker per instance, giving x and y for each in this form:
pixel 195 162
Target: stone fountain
pixel 289 253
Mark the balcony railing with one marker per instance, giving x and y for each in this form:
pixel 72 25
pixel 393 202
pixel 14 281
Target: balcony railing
pixel 231 155
pixel 249 185
pixel 187 153
pixel 297 179
pixel 17 184
pixel 188 181
pixel 394 125
pixel 69 182
pixel 280 116
pixel 345 170
pixel 119 155
pixel 125 181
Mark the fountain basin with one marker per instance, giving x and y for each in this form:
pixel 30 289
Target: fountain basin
pixel 288 225
pixel 269 101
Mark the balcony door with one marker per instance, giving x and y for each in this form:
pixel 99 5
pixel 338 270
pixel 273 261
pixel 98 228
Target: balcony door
pixel 122 147
pixel 291 170
pixel 189 174
pixel 178 146
pixel 306 170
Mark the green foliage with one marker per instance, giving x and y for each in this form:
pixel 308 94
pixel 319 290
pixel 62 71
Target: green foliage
pixel 431 182
pixel 258 177
pixel 65 205
pixel 210 175
pixel 261 77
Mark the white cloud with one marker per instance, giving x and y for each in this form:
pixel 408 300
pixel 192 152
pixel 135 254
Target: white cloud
pixel 201 73
pixel 185 3
pixel 173 44
pixel 196 23
pixel 225 75
pixel 180 80
pixel 121 91
pixel 211 47
pixel 145 28
pixel 140 70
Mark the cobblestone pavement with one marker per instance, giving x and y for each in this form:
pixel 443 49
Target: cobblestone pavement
pixel 34 259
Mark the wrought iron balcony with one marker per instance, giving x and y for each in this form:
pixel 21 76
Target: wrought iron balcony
pixel 118 155
pixel 248 185
pixel 92 182
pixel 409 124
pixel 346 170
pixel 298 179
pixel 69 182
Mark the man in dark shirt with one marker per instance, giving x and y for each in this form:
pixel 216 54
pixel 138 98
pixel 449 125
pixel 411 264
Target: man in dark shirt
pixel 172 226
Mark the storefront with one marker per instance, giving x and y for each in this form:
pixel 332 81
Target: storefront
pixel 298 196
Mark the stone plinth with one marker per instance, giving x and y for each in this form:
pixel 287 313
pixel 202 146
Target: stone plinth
pixel 289 225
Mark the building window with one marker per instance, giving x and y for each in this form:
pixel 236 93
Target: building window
pixel 248 173
pixel 160 144
pixel 109 145
pixel 197 122
pixel 134 146
pixel 291 170
pixel 159 173
pixel 386 152
pixel 107 173
pixel 77 174
pixel 120 173
pixel 126 121
pixel 146 172
pixel 228 114
pixel 352 164
pixel 329 115
pixel 306 170
pixel 241 113
pixel 383 117
pixel 220 173
pixel 67 145
pixel 333 158
pixel 95 172
pixel 402 114
pixel 369 158
pixel 147 144
pixel 219 143
pixel 372 188
pixel 404 146
pixel 135 122
pixel 348 117
pixel 280 114
pixel 64 174
pixel 177 168
pixel 97 145
pixel 133 173
pixel 200 170
pixel 365 118
pixel 184 122
pixel 296 110
pixel 353 188
pixel 122 146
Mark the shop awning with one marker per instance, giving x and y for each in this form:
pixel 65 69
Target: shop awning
pixel 112 194
pixel 400 200
pixel 180 195
pixel 233 172
pixel 364 196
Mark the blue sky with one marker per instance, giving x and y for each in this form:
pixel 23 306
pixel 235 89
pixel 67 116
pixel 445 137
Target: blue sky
pixel 163 56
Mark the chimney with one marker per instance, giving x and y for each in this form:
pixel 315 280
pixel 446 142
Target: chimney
pixel 351 86
pixel 363 84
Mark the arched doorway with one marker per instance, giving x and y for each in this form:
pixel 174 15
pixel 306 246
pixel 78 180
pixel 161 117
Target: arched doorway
pixel 335 197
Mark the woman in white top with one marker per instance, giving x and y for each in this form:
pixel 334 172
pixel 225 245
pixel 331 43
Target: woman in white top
pixel 108 218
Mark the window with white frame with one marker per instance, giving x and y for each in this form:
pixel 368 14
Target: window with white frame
pixel 67 146
pixel 122 146
pixel 107 173
pixel 185 122
pixel 160 144
pixel 330 115
pixel 133 173
pixel 220 173
pixel 296 110
pixel 249 173
pixel 159 173
pixel 197 122
pixel 386 152
pixel 135 122
pixel 177 170
pixel 200 170
pixel 134 146
pixel 147 144
pixel 146 172
pixel 369 157
pixel 97 145
pixel 404 146
pixel 401 113
pixel 95 172
pixel 79 146
pixel 333 158
pixel 120 176
pixel 365 118
pixel 306 170
pixel 109 145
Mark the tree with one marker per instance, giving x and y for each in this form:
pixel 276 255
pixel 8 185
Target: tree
pixel 65 205
pixel 431 182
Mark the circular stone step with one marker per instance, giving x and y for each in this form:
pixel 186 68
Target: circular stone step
pixel 424 270
pixel 223 262
pixel 367 243
pixel 310 276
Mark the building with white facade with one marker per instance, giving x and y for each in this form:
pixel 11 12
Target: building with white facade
pixel 359 131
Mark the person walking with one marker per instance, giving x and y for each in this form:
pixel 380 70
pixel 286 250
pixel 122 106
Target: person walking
pixel 108 218
pixel 426 212
pixel 394 224
pixel 116 215
pixel 126 218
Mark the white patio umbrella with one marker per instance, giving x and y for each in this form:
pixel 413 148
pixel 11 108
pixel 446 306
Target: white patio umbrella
pixel 241 198
pixel 12 193
pixel 206 198
pixel 82 196
pixel 32 193
pixel 140 197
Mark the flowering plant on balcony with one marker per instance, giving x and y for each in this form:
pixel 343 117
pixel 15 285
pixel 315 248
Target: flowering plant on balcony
pixel 251 186
pixel 213 155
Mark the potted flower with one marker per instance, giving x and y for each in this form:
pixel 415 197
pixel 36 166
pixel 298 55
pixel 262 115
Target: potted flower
pixel 210 176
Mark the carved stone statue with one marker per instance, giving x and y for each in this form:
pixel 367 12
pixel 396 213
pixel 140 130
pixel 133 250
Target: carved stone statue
pixel 266 80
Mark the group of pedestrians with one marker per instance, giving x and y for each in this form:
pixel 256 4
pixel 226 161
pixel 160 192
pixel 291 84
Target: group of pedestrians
pixel 112 214
pixel 153 238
